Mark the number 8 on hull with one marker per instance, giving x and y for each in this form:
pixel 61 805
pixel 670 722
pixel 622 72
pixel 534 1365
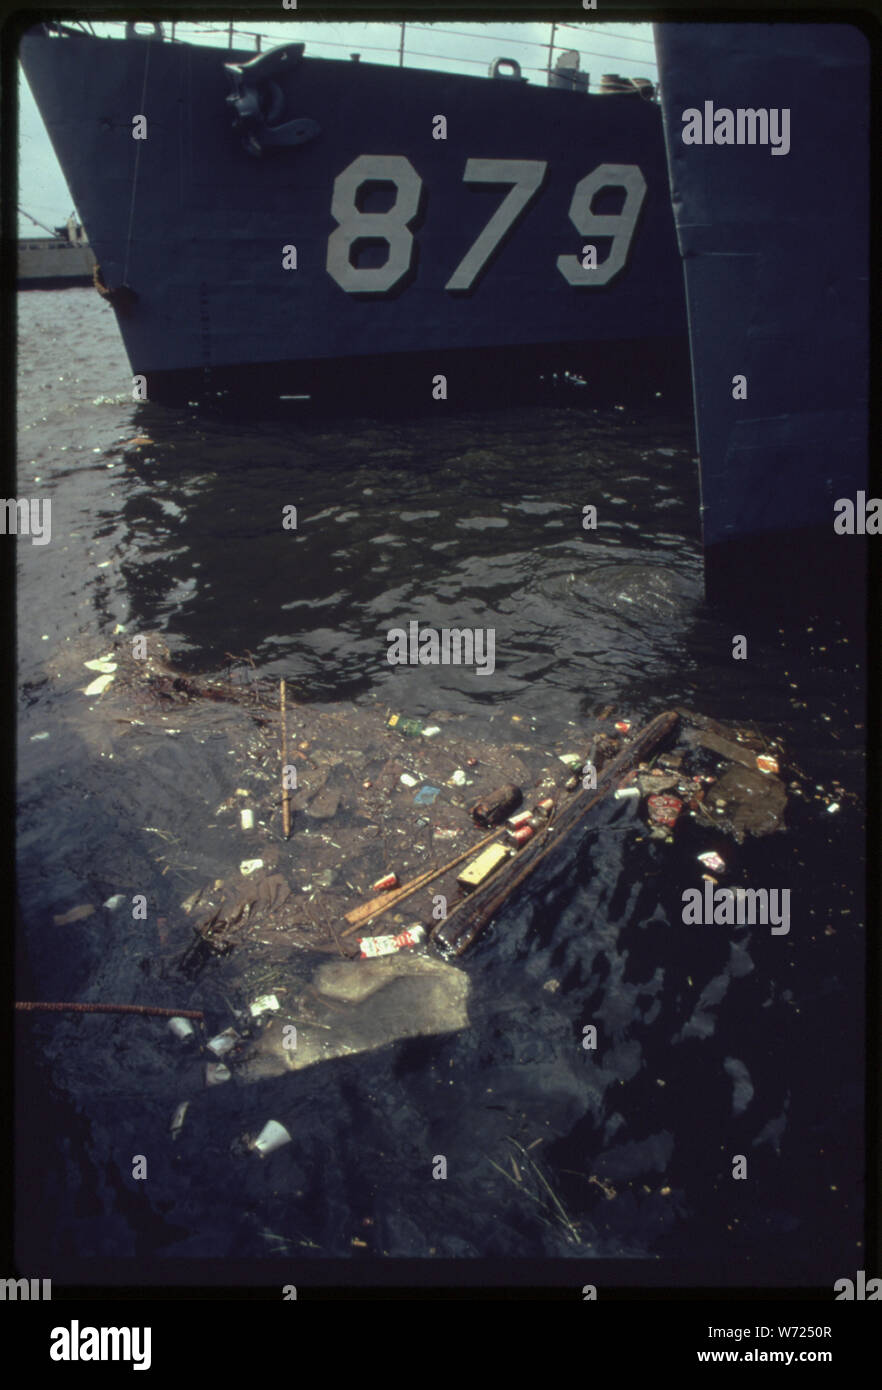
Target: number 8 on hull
pixel 278 224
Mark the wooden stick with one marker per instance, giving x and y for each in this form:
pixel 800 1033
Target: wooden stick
pixel 286 795
pixel 486 901
pixel 148 1009
pixel 375 906
pixel 359 915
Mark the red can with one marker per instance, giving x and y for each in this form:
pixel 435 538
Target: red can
pixel 521 835
pixel 664 810
pixel 522 818
pixel 389 881
pixel 546 806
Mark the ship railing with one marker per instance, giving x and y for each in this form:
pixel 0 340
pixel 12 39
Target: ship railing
pixel 540 57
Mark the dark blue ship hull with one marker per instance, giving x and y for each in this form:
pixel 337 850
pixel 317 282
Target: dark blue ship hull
pixel 412 252
pixel 775 249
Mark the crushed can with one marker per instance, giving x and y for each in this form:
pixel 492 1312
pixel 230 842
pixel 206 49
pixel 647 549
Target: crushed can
pixel 766 763
pixel 521 835
pixel 545 806
pixel 664 809
pixel 384 883
pixel 373 946
pixel 522 818
pixel 623 726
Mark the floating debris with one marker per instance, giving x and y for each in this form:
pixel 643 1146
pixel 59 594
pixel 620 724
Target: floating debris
pixel 265 1004
pixel 223 1043
pixel 712 860
pixel 273 1136
pixel 664 810
pixel 76 914
pixel 409 727
pixel 481 868
pixel 177 1123
pixel 98 686
pixel 371 946
pixel 426 795
pixel 181 1027
pixel 521 835
pixel 498 806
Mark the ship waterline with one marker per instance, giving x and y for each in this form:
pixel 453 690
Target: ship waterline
pixel 273 221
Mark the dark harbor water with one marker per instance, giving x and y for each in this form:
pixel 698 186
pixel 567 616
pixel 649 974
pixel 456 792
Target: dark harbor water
pixel 715 1041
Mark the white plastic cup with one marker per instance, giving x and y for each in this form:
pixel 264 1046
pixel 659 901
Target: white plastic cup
pixel 181 1027
pixel 272 1136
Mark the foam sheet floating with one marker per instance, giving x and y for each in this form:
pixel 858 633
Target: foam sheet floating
pixel 401 996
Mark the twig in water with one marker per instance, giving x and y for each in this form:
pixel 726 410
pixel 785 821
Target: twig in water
pixel 147 1009
pixel 286 795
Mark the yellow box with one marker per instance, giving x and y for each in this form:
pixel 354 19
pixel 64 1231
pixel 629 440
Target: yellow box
pixel 481 868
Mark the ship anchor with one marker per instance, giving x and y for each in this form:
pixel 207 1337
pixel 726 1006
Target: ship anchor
pixel 258 101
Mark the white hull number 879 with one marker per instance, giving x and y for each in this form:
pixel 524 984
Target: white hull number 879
pixel 525 176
